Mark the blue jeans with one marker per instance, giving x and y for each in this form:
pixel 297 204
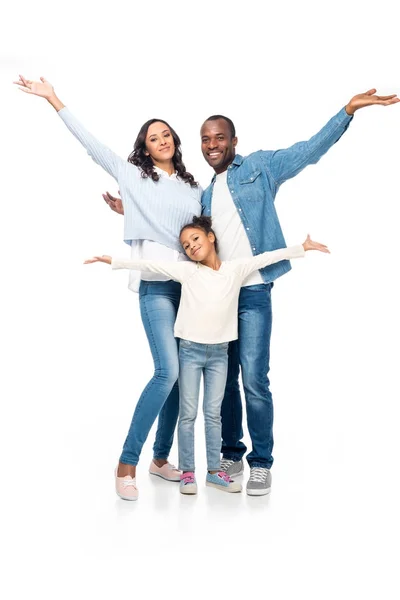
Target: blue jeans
pixel 159 302
pixel 251 353
pixel 211 360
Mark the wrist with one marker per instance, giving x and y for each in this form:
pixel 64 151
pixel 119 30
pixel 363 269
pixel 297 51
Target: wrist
pixel 55 101
pixel 350 109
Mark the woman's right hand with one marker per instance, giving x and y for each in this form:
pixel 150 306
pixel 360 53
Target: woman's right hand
pixel 104 259
pixel 41 88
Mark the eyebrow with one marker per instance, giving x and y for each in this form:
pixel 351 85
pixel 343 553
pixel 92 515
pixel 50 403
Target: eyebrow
pixel 216 133
pixel 164 131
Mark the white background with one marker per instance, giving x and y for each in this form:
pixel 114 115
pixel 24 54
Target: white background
pixel 75 358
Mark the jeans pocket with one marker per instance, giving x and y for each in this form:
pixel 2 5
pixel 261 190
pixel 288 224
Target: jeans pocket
pixel 185 343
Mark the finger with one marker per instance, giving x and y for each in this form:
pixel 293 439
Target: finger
pixel 387 97
pixel 27 90
pixel 392 101
pixel 370 92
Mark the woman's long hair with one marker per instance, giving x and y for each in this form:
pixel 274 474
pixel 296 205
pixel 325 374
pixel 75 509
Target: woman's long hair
pixel 145 163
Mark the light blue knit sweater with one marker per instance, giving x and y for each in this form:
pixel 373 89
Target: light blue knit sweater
pixel 154 210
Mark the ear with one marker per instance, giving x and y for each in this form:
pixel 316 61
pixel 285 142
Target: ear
pixel 211 237
pixel 234 141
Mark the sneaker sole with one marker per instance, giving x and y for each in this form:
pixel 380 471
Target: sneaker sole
pixel 162 477
pixel 186 492
pixel 258 492
pixel 222 488
pixel 126 497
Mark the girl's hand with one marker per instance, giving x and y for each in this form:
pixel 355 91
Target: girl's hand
pixel 310 245
pixel 104 259
pixel 41 88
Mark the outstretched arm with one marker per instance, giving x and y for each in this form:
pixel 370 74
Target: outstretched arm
pixel 176 270
pixel 285 164
pixel 245 267
pixel 102 155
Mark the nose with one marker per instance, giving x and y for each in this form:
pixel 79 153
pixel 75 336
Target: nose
pixel 212 144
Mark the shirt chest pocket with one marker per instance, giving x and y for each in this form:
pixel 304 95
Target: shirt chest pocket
pixel 251 186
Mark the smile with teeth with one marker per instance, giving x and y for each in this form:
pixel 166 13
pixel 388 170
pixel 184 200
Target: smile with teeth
pixel 214 154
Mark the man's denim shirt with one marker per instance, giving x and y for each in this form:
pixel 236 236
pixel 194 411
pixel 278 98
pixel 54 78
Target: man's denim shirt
pixel 254 180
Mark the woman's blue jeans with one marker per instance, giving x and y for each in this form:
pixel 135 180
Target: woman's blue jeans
pixel 159 302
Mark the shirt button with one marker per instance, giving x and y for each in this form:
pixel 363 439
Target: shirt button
pixel 232 191
pixel 240 210
pixel 248 228
pixel 253 248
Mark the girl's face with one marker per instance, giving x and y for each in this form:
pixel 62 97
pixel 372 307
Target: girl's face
pixel 159 143
pixel 197 244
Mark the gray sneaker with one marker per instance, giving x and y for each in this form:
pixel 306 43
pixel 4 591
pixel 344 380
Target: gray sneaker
pixel 259 483
pixel 233 468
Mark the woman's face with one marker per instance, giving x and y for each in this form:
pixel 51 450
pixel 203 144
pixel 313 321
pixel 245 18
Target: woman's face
pixel 197 243
pixel 159 143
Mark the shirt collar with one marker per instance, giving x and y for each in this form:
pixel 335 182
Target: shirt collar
pixel 237 161
pixel 164 173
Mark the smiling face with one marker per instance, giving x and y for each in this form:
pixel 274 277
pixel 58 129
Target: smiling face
pixel 197 244
pixel 159 143
pixel 217 144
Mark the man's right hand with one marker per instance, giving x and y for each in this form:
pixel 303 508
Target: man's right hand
pixel 114 203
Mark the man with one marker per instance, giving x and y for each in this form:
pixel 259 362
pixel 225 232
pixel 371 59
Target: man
pixel 240 200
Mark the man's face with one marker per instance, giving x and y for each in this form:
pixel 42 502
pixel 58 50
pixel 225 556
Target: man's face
pixel 217 144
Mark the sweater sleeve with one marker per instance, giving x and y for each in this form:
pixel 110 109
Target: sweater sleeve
pixel 246 266
pixel 101 155
pixel 179 271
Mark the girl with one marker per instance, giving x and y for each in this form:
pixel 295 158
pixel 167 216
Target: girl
pixel 206 323
pixel 159 196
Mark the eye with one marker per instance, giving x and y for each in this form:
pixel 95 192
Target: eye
pixel 167 135
pixel 220 138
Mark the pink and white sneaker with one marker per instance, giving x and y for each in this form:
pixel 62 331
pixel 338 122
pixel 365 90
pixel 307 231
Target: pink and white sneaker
pixel 168 472
pixel 126 487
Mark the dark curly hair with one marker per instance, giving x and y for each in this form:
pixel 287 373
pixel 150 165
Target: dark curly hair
pixel 138 157
pixel 205 224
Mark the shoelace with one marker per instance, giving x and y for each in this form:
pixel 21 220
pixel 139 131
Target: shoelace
pixel 258 474
pixel 187 479
pixel 129 482
pixel 226 463
pixel 224 476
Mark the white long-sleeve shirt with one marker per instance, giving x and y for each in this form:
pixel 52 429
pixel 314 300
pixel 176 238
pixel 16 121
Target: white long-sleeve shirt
pixel 209 302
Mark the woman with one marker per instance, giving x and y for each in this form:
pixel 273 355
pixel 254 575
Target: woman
pixel 159 197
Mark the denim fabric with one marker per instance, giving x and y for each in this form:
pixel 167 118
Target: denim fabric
pixel 159 302
pixel 254 180
pixel 251 352
pixel 196 359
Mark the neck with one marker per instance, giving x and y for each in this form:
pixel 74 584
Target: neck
pixel 168 166
pixel 212 261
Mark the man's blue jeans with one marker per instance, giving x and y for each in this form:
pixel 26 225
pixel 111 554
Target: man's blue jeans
pixel 251 353
pixel 159 302
pixel 195 360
